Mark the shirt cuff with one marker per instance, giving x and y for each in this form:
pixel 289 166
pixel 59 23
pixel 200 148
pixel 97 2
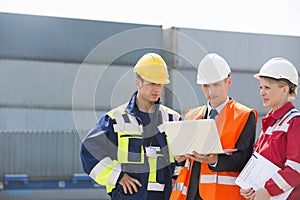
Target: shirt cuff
pixel 213 165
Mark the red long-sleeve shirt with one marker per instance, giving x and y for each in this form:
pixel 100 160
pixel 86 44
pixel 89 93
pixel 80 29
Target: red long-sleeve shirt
pixel 279 142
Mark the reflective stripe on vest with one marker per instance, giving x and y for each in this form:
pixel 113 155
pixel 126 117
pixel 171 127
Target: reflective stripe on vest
pixel 187 164
pixel 152 168
pixel 121 125
pixel 215 178
pixel 180 187
pixel 153 186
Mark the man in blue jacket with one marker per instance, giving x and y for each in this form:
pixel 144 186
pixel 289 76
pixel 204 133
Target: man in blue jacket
pixel 127 151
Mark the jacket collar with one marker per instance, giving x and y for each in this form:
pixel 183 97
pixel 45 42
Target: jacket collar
pixel 277 114
pixel 132 106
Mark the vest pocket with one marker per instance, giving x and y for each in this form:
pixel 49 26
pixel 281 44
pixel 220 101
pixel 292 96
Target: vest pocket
pixel 134 150
pixel 130 149
pixel 161 169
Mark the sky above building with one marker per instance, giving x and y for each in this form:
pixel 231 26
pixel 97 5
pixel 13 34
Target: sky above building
pixel 279 17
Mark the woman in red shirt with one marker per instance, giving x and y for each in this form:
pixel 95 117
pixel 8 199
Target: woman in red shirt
pixel 280 133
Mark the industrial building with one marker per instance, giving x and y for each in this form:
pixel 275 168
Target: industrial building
pixel 59 75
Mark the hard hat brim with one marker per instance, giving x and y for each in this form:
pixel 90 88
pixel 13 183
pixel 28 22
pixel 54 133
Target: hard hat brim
pixel 257 76
pixel 162 82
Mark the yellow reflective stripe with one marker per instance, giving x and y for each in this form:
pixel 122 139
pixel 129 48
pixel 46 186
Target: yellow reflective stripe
pixel 100 166
pixel 109 174
pixel 123 112
pixel 131 134
pixel 177 170
pixel 109 188
pixel 152 169
pixel 111 115
pixel 122 148
pixel 171 157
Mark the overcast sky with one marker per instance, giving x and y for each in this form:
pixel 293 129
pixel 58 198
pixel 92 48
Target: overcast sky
pixel 255 16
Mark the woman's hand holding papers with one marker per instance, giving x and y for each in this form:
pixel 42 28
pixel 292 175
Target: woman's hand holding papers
pixel 209 158
pixel 261 194
pixel 247 193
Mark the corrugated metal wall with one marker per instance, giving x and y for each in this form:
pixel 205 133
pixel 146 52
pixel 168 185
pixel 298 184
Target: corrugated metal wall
pixel 244 52
pixel 59 75
pixel 40 60
pixel 57 39
pixel 42 154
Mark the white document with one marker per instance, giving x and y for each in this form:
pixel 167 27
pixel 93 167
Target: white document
pixel 256 172
pixel 193 135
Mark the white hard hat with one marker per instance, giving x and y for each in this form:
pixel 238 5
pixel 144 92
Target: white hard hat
pixel 279 68
pixel 212 68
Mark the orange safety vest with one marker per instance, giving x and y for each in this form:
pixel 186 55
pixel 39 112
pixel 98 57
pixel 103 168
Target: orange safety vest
pixel 216 185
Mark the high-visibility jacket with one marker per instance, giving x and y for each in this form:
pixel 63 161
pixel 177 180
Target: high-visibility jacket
pixel 279 143
pixel 216 185
pixel 115 147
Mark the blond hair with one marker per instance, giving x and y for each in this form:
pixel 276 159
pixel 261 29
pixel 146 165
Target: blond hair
pixel 284 82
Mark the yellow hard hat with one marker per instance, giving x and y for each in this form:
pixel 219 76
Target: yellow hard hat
pixel 151 67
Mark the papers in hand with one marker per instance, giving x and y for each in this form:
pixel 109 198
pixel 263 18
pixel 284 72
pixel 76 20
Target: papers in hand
pixel 193 135
pixel 256 172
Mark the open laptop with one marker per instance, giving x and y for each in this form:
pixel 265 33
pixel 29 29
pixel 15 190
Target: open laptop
pixel 201 136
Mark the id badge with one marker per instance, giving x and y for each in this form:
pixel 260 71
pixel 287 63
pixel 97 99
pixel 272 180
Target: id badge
pixel 151 151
